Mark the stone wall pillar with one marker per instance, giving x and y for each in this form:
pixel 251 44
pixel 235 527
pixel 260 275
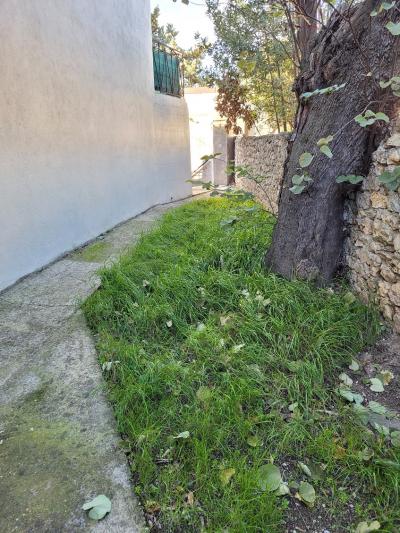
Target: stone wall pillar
pixel 372 248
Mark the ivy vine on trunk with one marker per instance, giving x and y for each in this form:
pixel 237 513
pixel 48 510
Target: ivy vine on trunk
pixel 352 54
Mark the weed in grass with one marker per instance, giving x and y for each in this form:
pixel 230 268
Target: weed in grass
pixel 210 344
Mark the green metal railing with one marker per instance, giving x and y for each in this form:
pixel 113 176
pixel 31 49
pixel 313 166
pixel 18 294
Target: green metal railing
pixel 168 69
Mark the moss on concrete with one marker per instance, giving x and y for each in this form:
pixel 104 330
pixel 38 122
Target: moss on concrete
pixel 97 252
pixel 43 465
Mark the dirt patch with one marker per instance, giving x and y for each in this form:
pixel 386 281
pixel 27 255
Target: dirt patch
pixel 383 356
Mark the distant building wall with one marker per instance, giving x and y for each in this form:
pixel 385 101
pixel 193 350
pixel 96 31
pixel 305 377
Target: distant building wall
pixel 201 106
pixel 266 156
pixel 208 135
pixel 85 140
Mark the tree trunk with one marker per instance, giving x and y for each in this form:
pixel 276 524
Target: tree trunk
pixel 307 24
pixel 308 238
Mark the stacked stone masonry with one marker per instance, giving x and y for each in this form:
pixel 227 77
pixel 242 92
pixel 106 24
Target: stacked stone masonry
pixel 372 248
pixel 266 156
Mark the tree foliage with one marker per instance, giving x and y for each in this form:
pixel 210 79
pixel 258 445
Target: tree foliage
pixel 194 72
pixel 253 62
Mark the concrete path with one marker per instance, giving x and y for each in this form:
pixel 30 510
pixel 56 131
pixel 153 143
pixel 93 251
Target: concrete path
pixel 58 442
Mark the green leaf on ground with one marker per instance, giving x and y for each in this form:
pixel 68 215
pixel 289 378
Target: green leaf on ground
pixel 99 507
pixel 226 475
pixel 376 407
pixel 325 140
pixel 350 396
pixel 269 477
pixel 344 378
pixel 350 178
pixel 366 454
pixel 304 468
pixel 362 413
pixel 228 221
pixel 254 441
pixel 283 490
pixel 395 438
pixel 365 527
pixel 306 493
pixel 376 385
pixel 183 435
pixel 354 365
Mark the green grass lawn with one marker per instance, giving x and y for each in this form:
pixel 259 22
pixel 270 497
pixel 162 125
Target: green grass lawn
pixel 220 368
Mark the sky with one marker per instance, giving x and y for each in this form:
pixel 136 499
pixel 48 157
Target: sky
pixel 186 19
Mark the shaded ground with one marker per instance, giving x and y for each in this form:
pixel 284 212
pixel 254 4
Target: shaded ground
pixel 58 443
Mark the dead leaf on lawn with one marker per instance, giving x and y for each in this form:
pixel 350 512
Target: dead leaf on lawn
pixel 190 498
pixel 224 320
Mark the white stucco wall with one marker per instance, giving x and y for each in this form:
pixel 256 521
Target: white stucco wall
pixel 85 141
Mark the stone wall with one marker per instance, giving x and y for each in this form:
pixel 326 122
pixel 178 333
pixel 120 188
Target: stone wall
pixel 372 248
pixel 266 156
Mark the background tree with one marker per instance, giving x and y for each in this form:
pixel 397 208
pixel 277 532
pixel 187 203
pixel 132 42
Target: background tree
pixel 253 62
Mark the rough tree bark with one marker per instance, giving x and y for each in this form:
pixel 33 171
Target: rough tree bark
pixel 308 238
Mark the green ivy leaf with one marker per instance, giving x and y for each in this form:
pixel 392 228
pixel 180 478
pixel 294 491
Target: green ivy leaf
pixel 364 527
pixel 99 507
pixel 395 438
pixel 306 493
pixel 393 28
pixel 382 116
pixel 326 150
pixel 297 189
pixel 305 159
pixel 344 378
pixel 325 140
pixel 350 178
pixel 269 477
pixel 354 365
pixel 297 179
pixel 376 385
pixel 377 407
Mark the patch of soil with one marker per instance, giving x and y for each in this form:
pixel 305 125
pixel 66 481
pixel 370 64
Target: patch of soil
pixel 384 355
pixel 301 519
pixel 317 519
